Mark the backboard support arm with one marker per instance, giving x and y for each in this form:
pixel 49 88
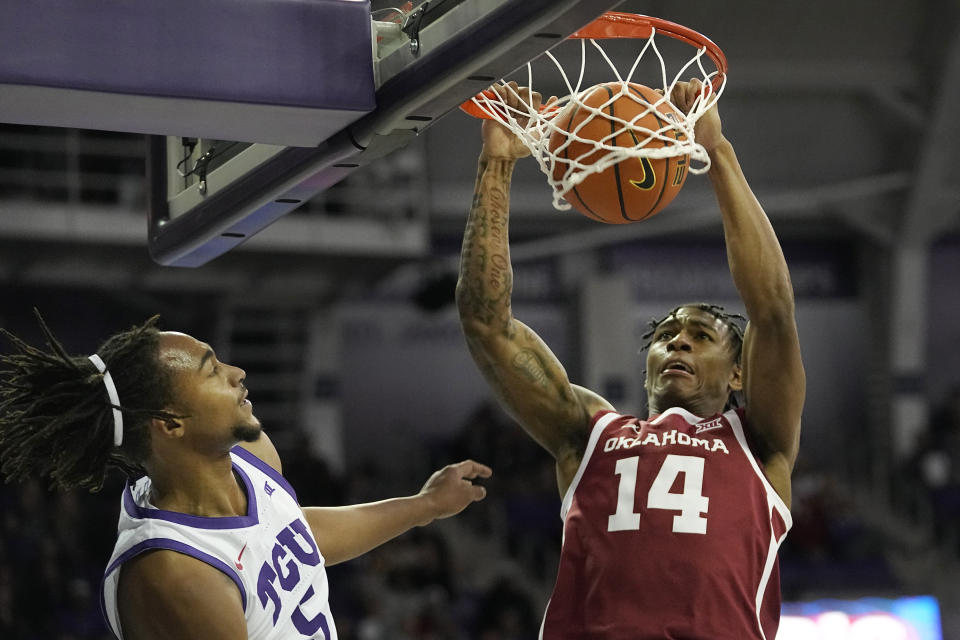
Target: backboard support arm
pixel 460 53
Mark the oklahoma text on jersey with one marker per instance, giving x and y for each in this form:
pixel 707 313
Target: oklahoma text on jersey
pixel 664 439
pixel 671 530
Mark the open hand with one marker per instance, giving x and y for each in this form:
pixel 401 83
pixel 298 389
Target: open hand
pixel 450 489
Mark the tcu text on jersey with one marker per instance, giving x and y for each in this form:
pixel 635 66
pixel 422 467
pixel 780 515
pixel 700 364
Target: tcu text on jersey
pixel 294 548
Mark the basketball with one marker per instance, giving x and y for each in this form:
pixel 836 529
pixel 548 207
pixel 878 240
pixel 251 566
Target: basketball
pixel 635 188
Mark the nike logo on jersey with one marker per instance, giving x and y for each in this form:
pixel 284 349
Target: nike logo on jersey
pixel 237 561
pixel 716 423
pixel 268 488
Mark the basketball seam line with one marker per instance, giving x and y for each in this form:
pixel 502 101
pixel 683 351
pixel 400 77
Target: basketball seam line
pixel 666 171
pixel 616 167
pixel 566 156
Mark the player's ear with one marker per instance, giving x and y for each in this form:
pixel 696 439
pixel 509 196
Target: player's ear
pixel 169 427
pixel 736 378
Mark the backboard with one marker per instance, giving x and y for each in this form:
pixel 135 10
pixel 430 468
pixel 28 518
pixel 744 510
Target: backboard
pixel 254 107
pixel 423 64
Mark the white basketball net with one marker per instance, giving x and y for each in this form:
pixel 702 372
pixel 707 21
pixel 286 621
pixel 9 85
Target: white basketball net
pixel 675 138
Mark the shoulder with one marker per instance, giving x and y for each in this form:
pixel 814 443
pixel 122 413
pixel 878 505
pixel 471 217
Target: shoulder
pixel 593 407
pixel 590 407
pixel 776 467
pixel 168 594
pixel 592 403
pixel 263 448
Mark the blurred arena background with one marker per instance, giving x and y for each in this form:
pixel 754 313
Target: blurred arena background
pixel 844 116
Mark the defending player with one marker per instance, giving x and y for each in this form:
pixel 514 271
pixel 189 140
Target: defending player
pixel 212 542
pixel 671 523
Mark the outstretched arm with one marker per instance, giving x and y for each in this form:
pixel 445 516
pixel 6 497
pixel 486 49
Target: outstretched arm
pixel 343 533
pixel 525 375
pixel 773 375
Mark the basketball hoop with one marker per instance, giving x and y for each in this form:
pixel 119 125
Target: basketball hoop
pixel 540 131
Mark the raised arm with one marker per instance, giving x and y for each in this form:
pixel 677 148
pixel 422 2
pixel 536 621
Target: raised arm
pixel 773 375
pixel 343 533
pixel 525 375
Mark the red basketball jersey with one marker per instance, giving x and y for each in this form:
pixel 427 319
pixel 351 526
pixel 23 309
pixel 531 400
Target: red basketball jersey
pixel 671 531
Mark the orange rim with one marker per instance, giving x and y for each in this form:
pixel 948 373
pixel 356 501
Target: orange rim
pixel 616 24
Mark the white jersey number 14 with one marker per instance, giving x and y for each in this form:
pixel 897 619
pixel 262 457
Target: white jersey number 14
pixel 690 502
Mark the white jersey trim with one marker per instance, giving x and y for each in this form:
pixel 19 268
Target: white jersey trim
pixel 734 419
pixel 595 433
pixel 680 411
pixel 774 501
pixel 598 428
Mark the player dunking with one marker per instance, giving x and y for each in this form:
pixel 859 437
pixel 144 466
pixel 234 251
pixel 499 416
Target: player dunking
pixel 212 543
pixel 671 523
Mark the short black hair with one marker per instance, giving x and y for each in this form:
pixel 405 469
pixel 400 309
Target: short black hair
pixel 56 419
pixel 731 320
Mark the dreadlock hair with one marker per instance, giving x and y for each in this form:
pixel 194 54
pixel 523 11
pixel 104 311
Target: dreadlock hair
pixel 729 319
pixel 56 419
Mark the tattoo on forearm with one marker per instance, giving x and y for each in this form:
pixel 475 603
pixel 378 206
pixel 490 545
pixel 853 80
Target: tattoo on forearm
pixel 486 278
pixel 498 198
pixel 499 268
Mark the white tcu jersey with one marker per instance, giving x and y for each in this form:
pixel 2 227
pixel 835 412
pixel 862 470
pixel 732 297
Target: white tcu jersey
pixel 269 553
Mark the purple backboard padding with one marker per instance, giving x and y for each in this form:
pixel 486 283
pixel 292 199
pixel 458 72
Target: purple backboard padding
pixel 303 53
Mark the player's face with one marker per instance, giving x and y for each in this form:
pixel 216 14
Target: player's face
pixel 690 364
pixel 210 393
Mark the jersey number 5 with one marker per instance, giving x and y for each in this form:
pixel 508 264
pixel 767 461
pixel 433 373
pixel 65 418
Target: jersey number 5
pixel 690 502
